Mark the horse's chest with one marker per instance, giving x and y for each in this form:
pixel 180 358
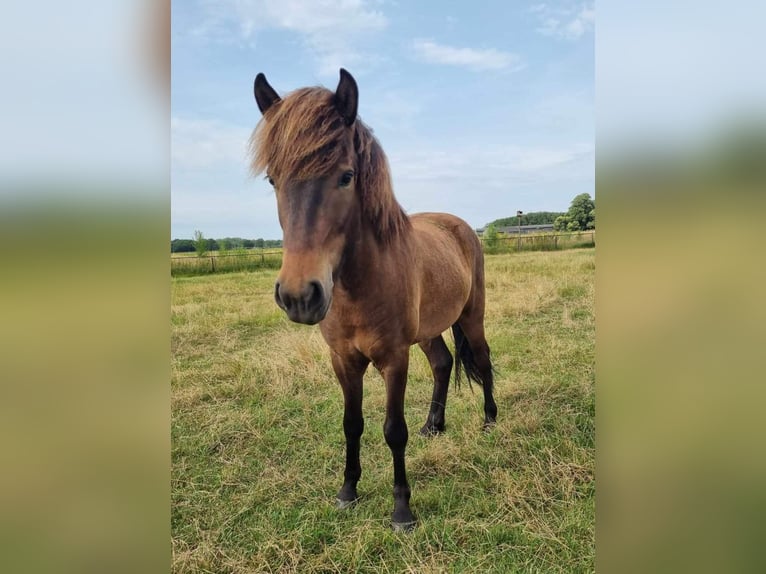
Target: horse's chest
pixel 363 327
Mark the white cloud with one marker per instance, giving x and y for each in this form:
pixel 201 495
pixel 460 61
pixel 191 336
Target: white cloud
pixel 567 22
pixel 496 166
pixel 332 30
pixel 486 59
pixel 340 17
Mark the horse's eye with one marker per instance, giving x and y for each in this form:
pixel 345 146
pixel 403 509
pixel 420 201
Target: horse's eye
pixel 271 181
pixel 346 178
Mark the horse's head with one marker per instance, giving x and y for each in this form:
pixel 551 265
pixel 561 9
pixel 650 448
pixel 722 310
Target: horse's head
pixel 305 143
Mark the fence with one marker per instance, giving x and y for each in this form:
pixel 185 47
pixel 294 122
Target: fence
pixel 255 259
pixel 539 242
pixel 223 263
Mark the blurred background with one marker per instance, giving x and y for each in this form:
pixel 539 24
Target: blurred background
pixel 681 175
pixel 84 294
pixel 84 298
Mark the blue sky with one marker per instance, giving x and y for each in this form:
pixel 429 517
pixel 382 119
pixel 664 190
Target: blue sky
pixel 483 108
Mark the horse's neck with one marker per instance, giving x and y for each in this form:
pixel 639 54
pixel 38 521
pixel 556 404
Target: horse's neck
pixel 373 262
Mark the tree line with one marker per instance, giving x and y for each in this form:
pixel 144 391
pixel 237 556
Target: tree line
pixel 581 216
pixel 532 218
pixel 202 245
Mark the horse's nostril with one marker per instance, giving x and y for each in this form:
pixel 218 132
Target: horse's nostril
pixel 283 299
pixel 315 295
pixel 277 298
pixel 305 306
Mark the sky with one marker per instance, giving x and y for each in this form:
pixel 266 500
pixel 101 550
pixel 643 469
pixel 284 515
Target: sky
pixel 483 108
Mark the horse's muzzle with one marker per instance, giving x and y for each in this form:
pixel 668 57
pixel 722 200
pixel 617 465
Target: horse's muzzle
pixel 308 307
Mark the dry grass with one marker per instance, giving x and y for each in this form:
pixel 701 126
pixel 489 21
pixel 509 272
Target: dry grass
pixel 258 442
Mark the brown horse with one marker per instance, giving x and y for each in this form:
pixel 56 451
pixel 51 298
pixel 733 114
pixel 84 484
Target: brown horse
pixel 376 280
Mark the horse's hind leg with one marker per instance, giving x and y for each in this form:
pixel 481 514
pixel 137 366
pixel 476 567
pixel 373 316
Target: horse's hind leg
pixel 441 362
pixel 473 329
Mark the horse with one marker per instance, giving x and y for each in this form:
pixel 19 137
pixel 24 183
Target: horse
pixel 376 280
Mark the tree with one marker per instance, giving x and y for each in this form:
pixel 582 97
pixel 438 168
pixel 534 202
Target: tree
pixel 181 246
pixel 259 243
pixel 491 238
pixel 581 215
pixel 200 243
pixel 561 223
pixel 531 218
pixel 582 211
pixel 229 243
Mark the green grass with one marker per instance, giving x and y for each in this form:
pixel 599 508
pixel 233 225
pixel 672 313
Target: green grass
pixel 258 446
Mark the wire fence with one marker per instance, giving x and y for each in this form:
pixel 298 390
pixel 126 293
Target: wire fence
pixel 255 259
pixel 252 260
pixel 539 242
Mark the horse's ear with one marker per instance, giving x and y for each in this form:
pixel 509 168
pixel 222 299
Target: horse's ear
pixel 347 97
pixel 265 95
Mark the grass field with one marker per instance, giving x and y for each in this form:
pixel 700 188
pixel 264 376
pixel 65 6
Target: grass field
pixel 258 448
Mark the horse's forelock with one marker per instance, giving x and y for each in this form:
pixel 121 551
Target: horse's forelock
pixel 303 135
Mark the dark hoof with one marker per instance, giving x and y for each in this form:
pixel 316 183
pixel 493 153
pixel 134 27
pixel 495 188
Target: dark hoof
pixel 403 526
pixel 431 430
pixel 343 504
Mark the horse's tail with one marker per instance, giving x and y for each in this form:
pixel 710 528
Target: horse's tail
pixel 464 358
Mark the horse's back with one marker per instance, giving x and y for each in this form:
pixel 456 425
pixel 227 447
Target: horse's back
pixel 450 264
pixel 450 231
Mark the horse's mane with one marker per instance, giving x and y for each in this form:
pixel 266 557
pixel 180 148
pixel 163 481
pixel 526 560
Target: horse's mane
pixel 303 136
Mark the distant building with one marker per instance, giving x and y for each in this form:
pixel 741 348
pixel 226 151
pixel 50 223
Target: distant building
pixel 514 229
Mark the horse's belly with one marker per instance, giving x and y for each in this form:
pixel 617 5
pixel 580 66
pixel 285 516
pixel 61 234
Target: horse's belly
pixel 445 271
pixel 440 309
pixel 429 330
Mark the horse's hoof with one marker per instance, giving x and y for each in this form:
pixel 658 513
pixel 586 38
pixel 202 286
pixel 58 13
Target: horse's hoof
pixel 343 504
pixel 488 426
pixel 430 431
pixel 403 526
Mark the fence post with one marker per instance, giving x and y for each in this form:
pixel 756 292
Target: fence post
pixel 212 263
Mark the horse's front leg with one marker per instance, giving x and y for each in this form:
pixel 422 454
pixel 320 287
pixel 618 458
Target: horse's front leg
pixel 350 368
pixel 394 371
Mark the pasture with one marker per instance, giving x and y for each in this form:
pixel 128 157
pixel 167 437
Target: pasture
pixel 258 445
